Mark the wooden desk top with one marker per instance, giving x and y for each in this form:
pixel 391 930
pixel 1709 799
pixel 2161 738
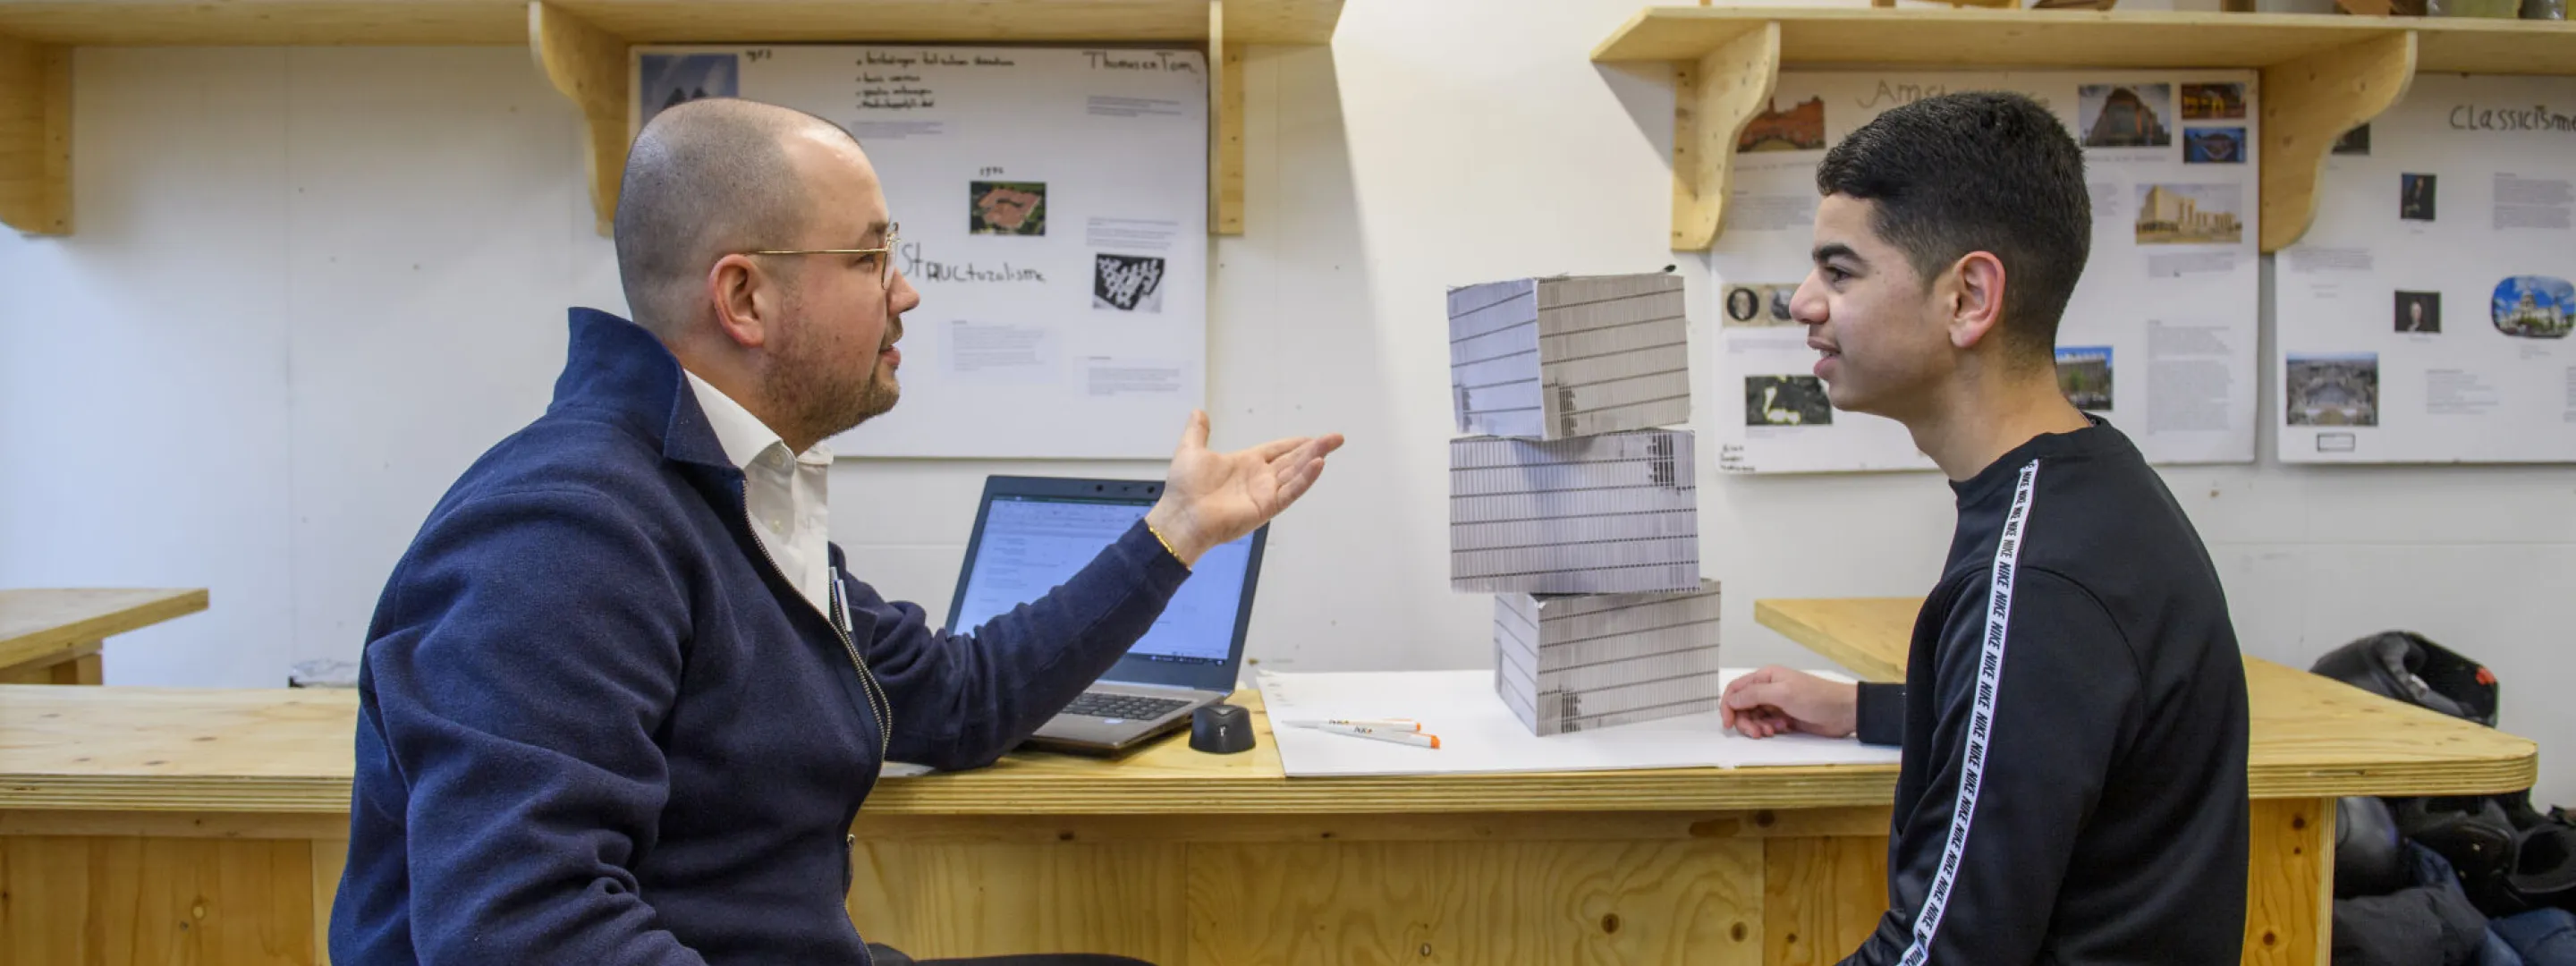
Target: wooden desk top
pixel 2311 735
pixel 39 623
pixel 289 750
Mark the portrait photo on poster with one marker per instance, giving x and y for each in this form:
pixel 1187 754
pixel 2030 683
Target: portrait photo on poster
pixel 1754 305
pixel 1006 207
pixel 669 80
pixel 2419 311
pixel 2415 196
pixel 1786 400
pixel 1127 283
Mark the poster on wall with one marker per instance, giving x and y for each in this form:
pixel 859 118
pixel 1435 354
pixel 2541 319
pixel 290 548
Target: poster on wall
pixel 2160 338
pixel 1053 212
pixel 2424 317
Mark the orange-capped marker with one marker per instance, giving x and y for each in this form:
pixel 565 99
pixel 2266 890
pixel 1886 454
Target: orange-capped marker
pixel 1402 737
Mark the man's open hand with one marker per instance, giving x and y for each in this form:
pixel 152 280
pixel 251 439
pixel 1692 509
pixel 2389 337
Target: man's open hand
pixel 1211 498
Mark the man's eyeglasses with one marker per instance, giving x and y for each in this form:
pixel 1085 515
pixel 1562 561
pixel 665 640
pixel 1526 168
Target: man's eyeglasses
pixel 885 255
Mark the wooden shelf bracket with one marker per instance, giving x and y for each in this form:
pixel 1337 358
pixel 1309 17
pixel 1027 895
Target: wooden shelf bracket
pixel 2310 102
pixel 588 66
pixel 36 137
pixel 1714 98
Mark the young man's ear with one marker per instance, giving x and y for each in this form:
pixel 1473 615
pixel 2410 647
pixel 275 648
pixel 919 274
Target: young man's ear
pixel 1973 297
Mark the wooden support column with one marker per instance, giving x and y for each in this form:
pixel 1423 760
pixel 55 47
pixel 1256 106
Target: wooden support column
pixel 1713 98
pixel 1225 127
pixel 36 137
pixel 588 66
pixel 2310 102
pixel 2289 897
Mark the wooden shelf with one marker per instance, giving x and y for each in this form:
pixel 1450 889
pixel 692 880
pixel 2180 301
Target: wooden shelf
pixel 581 45
pixel 2322 74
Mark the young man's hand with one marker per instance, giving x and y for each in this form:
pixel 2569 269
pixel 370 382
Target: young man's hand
pixel 1776 700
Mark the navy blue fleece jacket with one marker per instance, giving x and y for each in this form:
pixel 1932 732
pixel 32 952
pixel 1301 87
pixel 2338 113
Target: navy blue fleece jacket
pixel 596 725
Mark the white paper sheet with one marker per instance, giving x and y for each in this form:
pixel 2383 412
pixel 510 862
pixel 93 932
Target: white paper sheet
pixel 1479 735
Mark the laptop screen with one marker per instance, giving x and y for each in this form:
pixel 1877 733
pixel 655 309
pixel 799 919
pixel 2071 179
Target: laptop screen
pixel 1027 543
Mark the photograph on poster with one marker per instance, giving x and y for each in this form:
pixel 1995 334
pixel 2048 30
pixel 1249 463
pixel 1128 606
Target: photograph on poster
pixel 2354 142
pixel 2415 197
pixel 2125 115
pixel 2334 389
pixel 1755 304
pixel 1128 283
pixel 2175 295
pixel 1800 127
pixel 2534 307
pixel 1786 401
pixel 2213 145
pixel 669 80
pixel 2190 214
pixel 2084 375
pixel 2419 311
pixel 2213 102
pixel 1007 208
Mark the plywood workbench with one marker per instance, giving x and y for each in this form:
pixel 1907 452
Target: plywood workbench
pixel 55 636
pixel 209 827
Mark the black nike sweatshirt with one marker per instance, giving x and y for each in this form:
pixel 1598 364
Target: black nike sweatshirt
pixel 2073 721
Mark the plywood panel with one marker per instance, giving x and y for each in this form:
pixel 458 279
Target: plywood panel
pixel 2289 895
pixel 71 664
pixel 1993 39
pixel 427 22
pixel 149 900
pixel 44 623
pixel 330 858
pixel 1714 97
pixel 1821 897
pixel 1477 903
pixel 2310 102
pixel 35 164
pixel 953 899
pixel 588 66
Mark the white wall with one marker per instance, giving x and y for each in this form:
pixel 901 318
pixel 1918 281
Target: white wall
pixel 310 285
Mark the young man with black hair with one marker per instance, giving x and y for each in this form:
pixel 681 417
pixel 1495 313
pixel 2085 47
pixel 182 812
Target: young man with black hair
pixel 2073 716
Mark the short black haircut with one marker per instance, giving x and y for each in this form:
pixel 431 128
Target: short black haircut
pixel 1981 171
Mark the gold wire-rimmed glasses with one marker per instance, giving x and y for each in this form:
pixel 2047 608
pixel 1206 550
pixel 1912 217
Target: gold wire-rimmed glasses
pixel 885 263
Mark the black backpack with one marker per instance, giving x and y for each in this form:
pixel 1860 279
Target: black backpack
pixel 2509 856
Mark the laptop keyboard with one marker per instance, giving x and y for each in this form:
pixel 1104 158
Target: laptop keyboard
pixel 1125 706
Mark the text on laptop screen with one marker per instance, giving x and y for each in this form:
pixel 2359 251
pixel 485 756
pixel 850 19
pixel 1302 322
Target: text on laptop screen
pixel 1032 544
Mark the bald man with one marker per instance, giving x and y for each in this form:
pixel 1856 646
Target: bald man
pixel 619 702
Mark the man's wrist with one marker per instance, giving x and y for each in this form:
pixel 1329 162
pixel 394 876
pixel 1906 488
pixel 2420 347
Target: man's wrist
pixel 1171 529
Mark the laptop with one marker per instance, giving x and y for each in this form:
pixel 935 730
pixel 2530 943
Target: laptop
pixel 1034 533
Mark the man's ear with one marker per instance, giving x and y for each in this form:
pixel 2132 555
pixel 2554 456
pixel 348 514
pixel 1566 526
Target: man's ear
pixel 1972 294
pixel 745 300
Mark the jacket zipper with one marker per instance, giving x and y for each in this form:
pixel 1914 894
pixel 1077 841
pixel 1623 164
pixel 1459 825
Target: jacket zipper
pixel 880 707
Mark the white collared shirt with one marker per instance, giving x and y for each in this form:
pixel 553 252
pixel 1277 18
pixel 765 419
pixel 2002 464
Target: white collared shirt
pixel 787 493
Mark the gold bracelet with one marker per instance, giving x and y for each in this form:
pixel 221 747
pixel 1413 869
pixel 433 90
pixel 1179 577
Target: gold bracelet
pixel 1167 545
